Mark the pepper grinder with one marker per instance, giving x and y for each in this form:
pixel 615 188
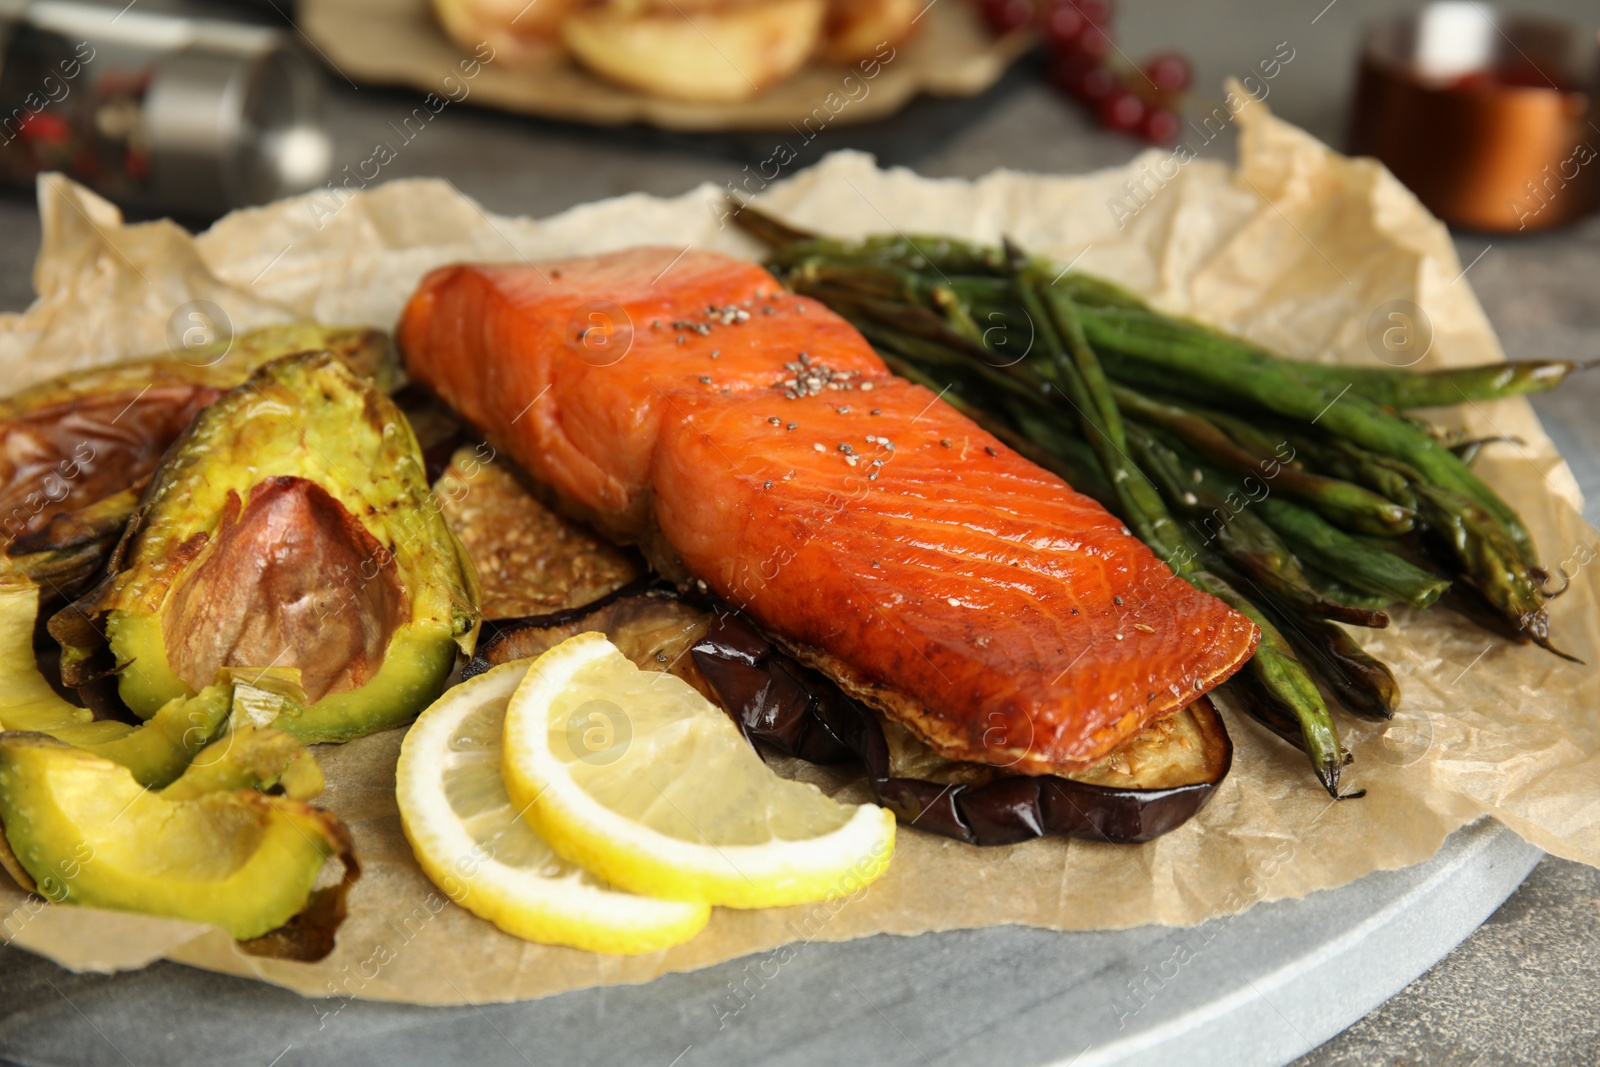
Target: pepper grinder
pixel 155 111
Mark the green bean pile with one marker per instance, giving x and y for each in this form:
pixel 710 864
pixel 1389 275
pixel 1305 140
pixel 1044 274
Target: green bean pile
pixel 1359 507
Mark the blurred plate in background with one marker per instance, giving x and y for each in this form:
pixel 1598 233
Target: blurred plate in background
pixel 399 42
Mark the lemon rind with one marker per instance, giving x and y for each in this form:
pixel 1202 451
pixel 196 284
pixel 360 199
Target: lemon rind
pixel 635 857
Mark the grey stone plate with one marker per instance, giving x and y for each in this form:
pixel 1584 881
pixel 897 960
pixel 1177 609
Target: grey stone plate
pixel 1257 988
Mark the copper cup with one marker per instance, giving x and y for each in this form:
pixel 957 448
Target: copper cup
pixel 1490 118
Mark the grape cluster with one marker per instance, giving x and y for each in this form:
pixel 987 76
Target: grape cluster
pixel 1087 66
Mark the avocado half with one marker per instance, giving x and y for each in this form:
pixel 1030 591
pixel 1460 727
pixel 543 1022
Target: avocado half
pixel 289 530
pixel 77 450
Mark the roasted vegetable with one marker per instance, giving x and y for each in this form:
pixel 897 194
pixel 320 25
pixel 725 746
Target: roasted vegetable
pixel 1147 786
pixel 76 450
pixel 1291 390
pixel 245 861
pixel 290 528
pixel 1392 387
pixel 158 750
pixel 529 560
pixel 1246 544
pixel 250 757
pixel 81 830
pixel 69 550
pixel 1363 684
pixel 649 624
pixel 1350 506
pixel 166 746
pixel 27 702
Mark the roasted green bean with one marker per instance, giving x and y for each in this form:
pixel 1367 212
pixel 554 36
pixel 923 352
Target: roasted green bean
pixel 1274 384
pixel 1348 505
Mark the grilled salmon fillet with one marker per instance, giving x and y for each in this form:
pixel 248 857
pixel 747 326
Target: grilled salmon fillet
pixel 752 440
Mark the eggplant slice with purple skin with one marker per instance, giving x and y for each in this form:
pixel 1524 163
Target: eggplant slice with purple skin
pixel 1146 787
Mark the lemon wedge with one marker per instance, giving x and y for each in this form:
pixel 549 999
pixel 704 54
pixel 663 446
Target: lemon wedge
pixel 635 776
pixel 473 844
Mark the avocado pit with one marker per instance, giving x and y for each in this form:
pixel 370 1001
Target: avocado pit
pixel 293 580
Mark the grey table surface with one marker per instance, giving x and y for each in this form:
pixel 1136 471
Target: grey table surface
pixel 1525 987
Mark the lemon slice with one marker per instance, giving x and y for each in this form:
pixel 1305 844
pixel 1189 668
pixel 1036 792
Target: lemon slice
pixel 638 778
pixel 474 845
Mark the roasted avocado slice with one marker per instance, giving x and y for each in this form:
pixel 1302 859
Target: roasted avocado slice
pixel 156 751
pixel 83 831
pixel 26 700
pixel 250 757
pixel 290 528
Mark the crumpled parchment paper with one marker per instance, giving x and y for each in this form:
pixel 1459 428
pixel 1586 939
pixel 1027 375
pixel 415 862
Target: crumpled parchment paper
pixel 1295 248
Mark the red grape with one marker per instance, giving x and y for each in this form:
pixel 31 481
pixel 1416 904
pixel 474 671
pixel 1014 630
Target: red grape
pixel 1169 71
pixel 1122 110
pixel 1098 83
pixel 1093 42
pixel 1078 75
pixel 1080 35
pixel 1097 12
pixel 1064 23
pixel 1006 16
pixel 1160 126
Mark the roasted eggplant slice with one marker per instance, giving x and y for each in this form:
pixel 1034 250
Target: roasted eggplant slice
pixel 76 451
pixel 1150 784
pixel 1147 786
pixel 81 830
pixel 290 528
pixel 644 619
